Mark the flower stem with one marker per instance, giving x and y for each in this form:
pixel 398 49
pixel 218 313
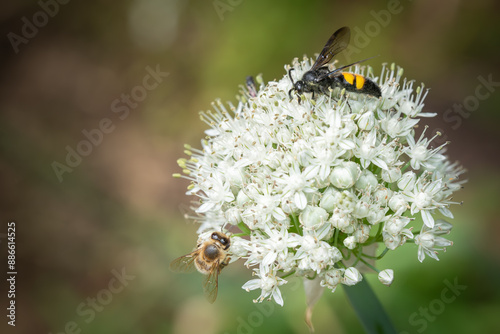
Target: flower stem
pixel 369 309
pixel 296 223
pixel 377 257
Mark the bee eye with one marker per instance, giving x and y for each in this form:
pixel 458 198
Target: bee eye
pixel 214 236
pixel 223 241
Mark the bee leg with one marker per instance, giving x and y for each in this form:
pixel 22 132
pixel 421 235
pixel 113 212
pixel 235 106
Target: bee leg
pixel 224 263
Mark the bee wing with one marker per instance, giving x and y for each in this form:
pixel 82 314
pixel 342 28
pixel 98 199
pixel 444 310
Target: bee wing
pixel 337 42
pixel 211 283
pixel 184 263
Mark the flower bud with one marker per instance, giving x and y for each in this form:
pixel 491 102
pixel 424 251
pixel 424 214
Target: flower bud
pixel 366 180
pixel 345 175
pixel 332 278
pixel 366 121
pixel 362 233
pixel 361 209
pixel 394 225
pixel 350 242
pixel 242 198
pixel 386 277
pixel 442 227
pixel 328 201
pixel 313 217
pixel 382 196
pixel 398 204
pixel 407 181
pixel 340 220
pixel 352 276
pixel 391 175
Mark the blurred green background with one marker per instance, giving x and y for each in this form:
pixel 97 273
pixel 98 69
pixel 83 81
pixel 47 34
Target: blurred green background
pixel 119 210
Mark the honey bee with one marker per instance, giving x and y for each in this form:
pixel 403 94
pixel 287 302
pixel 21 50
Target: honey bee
pixel 209 258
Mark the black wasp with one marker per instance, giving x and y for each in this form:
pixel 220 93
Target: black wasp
pixel 319 78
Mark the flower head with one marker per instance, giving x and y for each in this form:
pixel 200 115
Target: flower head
pixel 314 186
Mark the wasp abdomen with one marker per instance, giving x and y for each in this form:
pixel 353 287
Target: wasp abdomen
pixel 358 84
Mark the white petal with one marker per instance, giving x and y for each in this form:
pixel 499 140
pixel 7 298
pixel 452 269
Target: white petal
pixel 380 163
pixel 278 214
pixel 268 259
pixel 446 212
pixel 324 171
pixel 427 218
pixel 421 254
pixel 205 207
pixel 277 296
pixel 346 144
pixel 311 171
pixel 251 285
pixel 300 200
pixel 433 255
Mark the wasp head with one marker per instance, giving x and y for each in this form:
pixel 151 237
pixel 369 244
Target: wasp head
pixel 298 86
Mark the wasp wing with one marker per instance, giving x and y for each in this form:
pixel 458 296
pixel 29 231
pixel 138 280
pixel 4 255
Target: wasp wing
pixel 336 71
pixel 337 42
pixel 211 283
pixel 184 263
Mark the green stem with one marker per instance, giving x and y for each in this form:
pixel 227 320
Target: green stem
pixel 358 253
pixel 404 167
pixel 376 237
pixel 336 242
pixel 289 274
pixel 296 223
pixel 377 257
pixel 369 309
pixel 369 265
pixel 379 232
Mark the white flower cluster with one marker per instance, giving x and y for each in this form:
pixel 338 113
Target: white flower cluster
pixel 312 184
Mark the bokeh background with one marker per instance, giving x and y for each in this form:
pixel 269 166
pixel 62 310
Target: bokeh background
pixel 119 210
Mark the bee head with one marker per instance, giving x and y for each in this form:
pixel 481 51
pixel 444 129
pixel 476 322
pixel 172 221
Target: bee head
pixel 221 238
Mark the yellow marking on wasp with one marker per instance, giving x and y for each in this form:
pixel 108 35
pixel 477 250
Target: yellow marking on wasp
pixel 349 77
pixel 360 81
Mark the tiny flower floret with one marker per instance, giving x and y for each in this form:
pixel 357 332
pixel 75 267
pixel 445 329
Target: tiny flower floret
pixel 386 276
pixel 309 189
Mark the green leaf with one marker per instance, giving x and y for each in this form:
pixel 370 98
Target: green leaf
pixel 368 309
pixel 244 228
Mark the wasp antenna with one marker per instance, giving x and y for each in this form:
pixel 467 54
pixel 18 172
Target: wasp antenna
pixel 290 75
